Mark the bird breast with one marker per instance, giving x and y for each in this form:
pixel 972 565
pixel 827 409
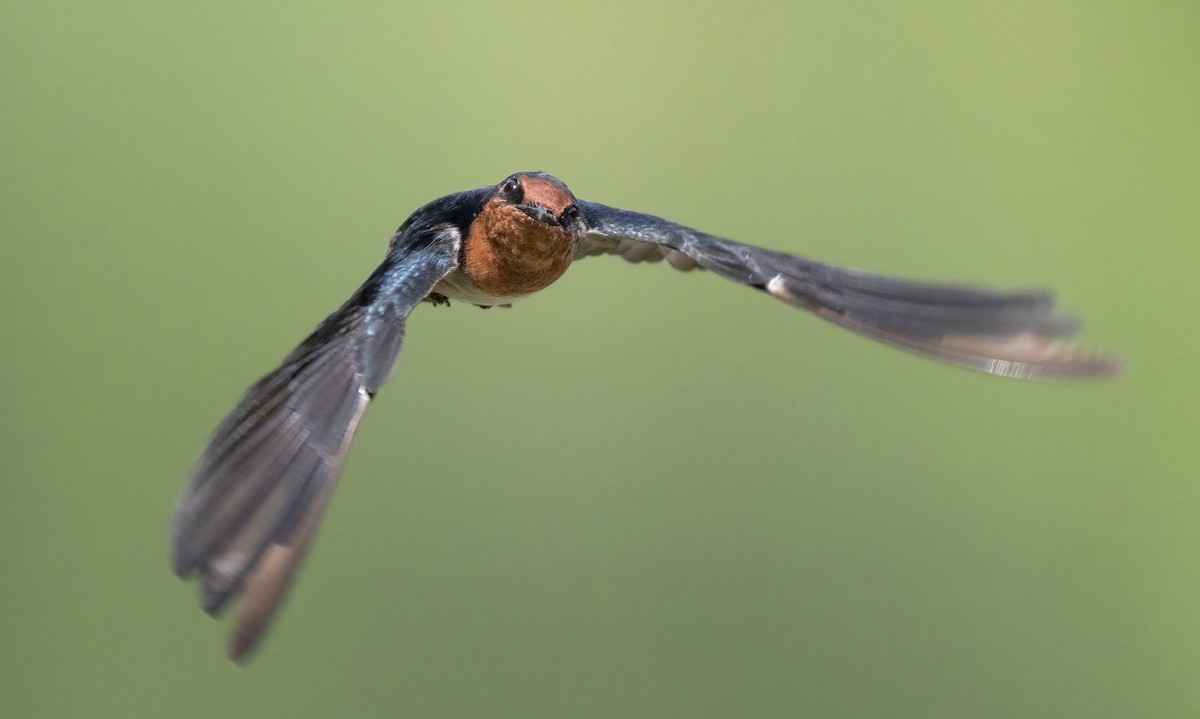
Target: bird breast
pixel 508 254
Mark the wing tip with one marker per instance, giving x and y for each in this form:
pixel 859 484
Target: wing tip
pixel 214 599
pixel 1088 365
pixel 241 646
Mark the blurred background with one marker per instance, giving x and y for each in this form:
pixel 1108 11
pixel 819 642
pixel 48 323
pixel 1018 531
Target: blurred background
pixel 641 493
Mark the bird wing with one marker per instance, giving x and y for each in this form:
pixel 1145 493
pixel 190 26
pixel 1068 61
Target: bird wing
pixel 257 493
pixel 1014 334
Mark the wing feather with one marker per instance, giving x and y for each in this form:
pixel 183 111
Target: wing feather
pixel 258 491
pixel 1014 334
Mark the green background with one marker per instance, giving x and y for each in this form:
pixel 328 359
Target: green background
pixel 641 493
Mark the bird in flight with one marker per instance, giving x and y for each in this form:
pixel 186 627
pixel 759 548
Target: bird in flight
pixel 258 491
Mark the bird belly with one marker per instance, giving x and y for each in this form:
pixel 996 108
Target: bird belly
pixel 458 286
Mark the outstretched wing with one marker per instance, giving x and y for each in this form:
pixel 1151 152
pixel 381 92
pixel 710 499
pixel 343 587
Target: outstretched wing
pixel 259 489
pixel 1015 334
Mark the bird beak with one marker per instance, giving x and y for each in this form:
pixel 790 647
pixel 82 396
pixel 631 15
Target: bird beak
pixel 539 213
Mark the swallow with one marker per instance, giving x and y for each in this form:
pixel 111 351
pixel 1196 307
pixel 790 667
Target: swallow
pixel 258 491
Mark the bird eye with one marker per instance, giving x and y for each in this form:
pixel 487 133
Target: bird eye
pixel 510 190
